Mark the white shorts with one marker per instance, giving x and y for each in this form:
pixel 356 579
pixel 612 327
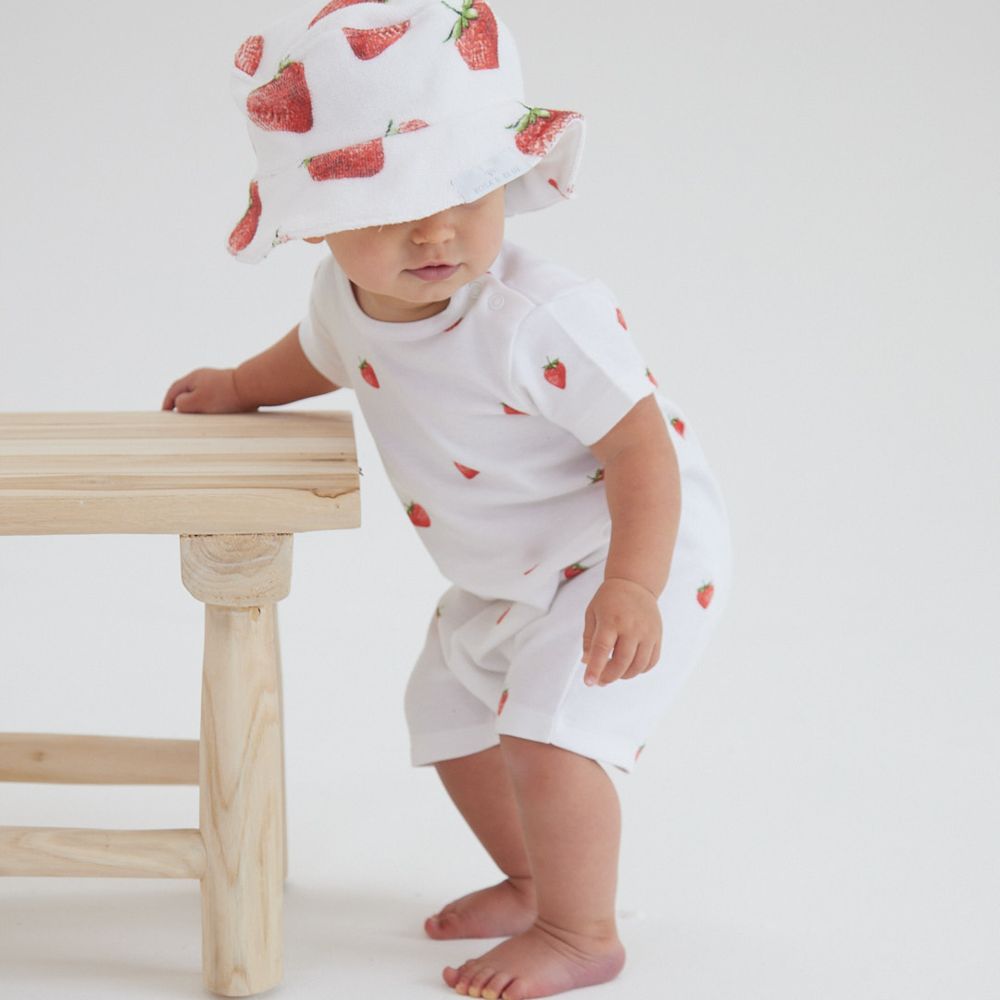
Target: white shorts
pixel 492 667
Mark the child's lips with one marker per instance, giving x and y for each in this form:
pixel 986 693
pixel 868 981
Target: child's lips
pixel 438 273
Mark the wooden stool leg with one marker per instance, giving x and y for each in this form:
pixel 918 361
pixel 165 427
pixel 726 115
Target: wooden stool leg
pixel 240 578
pixel 281 720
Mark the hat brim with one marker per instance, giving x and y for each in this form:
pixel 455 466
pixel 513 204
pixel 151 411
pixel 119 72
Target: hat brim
pixel 416 170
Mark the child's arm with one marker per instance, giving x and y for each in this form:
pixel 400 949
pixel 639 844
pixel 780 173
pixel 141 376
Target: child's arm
pixel 281 374
pixel 642 485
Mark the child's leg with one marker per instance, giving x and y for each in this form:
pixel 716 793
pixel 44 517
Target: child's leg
pixel 572 824
pixel 480 786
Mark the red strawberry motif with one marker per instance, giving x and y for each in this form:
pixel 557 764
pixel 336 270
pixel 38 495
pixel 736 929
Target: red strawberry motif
pixel 597 476
pixel 411 126
pixel 705 593
pixel 575 570
pixel 539 127
pixel 533 568
pixel 249 53
pixel 283 104
pixel 475 35
pixel 678 425
pixel 466 471
pixel 621 319
pixel 555 373
pixel 365 159
pixel 246 228
pixel 418 515
pixel 504 615
pixel 368 374
pixel 649 375
pixel 510 409
pixel 333 6
pixel 503 701
pixel 565 193
pixel 367 43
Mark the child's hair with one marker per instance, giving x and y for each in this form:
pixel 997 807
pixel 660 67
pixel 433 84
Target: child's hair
pixel 370 113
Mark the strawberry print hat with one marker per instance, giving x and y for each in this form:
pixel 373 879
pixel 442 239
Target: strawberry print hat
pixel 371 112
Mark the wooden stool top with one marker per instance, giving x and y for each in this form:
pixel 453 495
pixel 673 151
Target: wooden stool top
pixel 162 472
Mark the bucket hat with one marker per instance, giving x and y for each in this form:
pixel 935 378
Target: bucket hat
pixel 372 112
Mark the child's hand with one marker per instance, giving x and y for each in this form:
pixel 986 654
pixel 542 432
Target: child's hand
pixel 622 616
pixel 206 390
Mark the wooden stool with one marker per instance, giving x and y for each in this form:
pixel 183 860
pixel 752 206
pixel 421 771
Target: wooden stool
pixel 234 487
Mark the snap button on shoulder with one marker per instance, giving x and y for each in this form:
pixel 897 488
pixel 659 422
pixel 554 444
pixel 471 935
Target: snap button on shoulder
pixel 496 302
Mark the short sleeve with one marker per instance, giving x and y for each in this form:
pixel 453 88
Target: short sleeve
pixel 574 362
pixel 316 340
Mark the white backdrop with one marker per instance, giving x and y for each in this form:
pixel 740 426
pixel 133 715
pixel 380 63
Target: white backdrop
pixel 797 206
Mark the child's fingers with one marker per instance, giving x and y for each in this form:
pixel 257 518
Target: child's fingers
pixel 589 623
pixel 641 662
pixel 625 649
pixel 178 387
pixel 597 655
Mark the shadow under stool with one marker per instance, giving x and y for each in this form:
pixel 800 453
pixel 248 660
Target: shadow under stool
pixel 234 488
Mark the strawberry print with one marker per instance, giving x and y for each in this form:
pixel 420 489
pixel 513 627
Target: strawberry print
pixel 649 375
pixel 283 104
pixel 466 471
pixel 510 409
pixel 503 701
pixel 364 159
pixel 597 476
pixel 705 593
pixel 418 515
pixel 555 373
pixel 536 130
pixel 411 126
pixel 367 43
pixel 475 35
pixel 368 374
pixel 678 425
pixel 248 54
pixel 504 615
pixel 621 319
pixel 246 228
pixel 575 570
pixel 554 183
pixel 337 5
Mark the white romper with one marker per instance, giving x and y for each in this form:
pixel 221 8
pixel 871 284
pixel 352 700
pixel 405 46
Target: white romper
pixel 483 416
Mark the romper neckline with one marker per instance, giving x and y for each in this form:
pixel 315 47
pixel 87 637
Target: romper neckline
pixel 406 330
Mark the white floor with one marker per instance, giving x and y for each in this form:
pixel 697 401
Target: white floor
pixel 732 885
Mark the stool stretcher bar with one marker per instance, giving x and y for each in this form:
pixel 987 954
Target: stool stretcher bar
pixel 68 851
pixel 97 760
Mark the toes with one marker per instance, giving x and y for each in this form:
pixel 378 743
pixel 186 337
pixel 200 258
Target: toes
pixel 479 979
pixel 493 989
pixel 459 979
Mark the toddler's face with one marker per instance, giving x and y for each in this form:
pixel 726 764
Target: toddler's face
pixel 378 260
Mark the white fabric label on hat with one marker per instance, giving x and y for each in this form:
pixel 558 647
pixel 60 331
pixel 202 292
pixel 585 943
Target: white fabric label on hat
pixel 474 183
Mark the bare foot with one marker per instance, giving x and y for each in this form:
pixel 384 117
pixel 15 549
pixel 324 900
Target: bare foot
pixel 499 911
pixel 538 963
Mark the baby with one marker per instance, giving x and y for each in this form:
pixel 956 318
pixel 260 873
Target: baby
pixel 521 429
